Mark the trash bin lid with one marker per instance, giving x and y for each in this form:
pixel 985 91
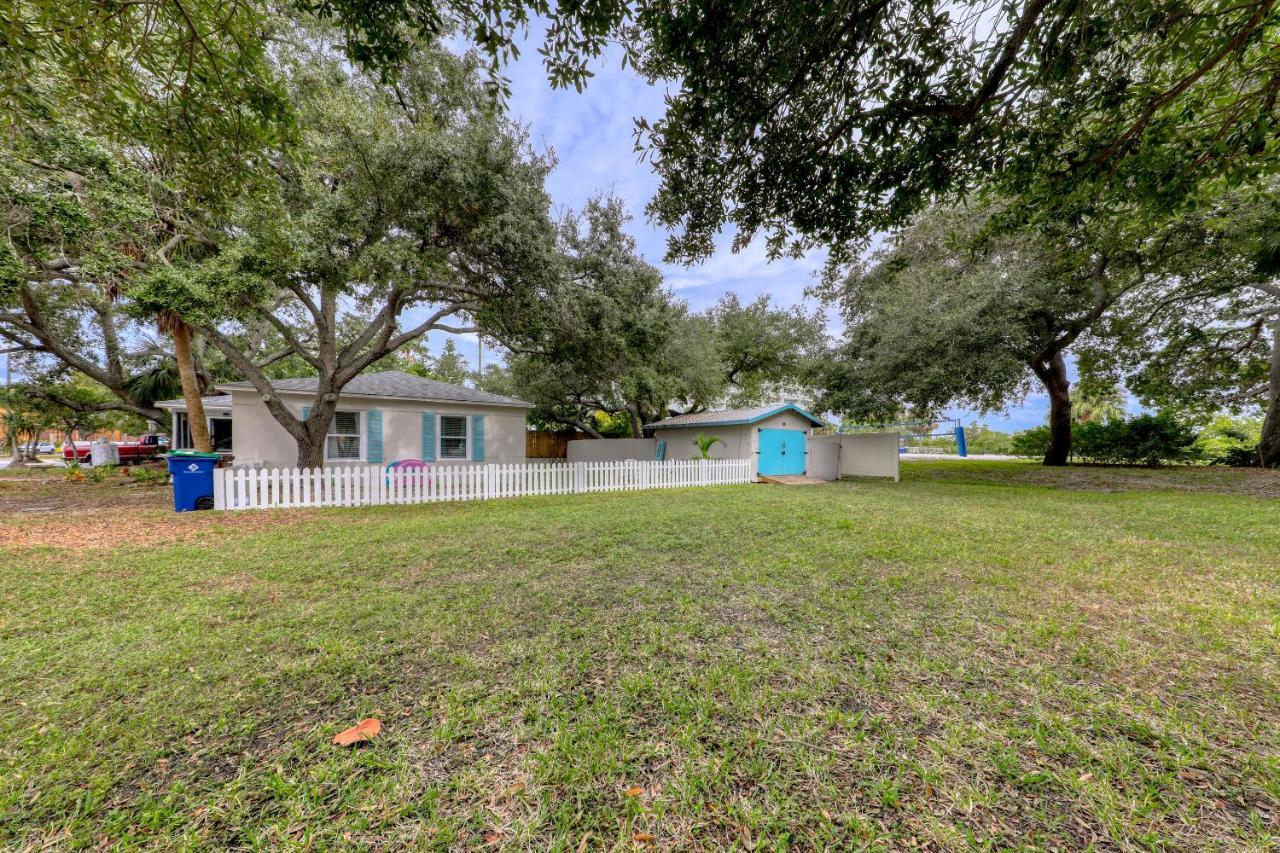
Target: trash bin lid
pixel 193 454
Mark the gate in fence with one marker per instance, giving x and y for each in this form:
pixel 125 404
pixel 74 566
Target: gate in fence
pixel 372 485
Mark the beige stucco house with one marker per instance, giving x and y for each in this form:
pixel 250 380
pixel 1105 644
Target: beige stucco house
pixel 381 418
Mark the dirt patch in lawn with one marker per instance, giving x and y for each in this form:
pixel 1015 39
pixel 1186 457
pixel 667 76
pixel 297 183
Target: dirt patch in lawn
pixel 53 512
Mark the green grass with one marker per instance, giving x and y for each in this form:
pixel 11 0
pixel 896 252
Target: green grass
pixel 959 661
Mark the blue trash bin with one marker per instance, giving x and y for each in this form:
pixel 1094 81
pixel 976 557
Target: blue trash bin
pixel 192 474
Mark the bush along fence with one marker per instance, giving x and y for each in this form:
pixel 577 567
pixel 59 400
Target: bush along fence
pixel 371 485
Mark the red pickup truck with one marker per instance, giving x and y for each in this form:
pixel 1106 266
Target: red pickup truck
pixel 131 452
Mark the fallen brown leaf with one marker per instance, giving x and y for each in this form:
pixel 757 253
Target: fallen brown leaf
pixel 362 731
pixel 634 792
pixel 643 837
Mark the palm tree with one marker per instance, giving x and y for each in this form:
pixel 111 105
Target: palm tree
pixel 1103 405
pixel 705 443
pixel 169 323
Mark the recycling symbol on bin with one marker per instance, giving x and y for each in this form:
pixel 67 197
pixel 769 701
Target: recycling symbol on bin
pixel 193 467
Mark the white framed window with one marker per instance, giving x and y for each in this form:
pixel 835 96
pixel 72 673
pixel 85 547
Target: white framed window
pixel 454 437
pixel 344 441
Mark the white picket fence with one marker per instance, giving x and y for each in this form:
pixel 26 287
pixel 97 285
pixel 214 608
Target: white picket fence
pixel 371 485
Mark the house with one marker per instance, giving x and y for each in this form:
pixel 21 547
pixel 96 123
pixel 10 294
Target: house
pixel 381 417
pixel 776 436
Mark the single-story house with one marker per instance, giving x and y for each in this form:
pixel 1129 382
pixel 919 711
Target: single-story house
pixel 776 436
pixel 381 417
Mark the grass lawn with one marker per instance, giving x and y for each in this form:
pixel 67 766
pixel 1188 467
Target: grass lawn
pixel 982 656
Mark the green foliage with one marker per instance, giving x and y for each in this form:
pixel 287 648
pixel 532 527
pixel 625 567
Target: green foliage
pixel 99 473
pixel 450 366
pixel 765 351
pixel 196 85
pixel 147 474
pixel 813 124
pixel 86 220
pixel 612 424
pixel 1230 441
pixel 1096 404
pixel 20 418
pixel 190 83
pixel 1193 338
pixel 704 443
pixel 980 440
pixel 615 340
pixel 1031 443
pixel 943 316
pixel 1140 440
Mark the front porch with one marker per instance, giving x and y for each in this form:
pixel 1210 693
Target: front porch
pixel 217 412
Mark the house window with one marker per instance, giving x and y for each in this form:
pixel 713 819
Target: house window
pixel 453 437
pixel 343 441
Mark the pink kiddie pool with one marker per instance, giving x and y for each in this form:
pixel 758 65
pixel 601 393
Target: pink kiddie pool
pixel 404 471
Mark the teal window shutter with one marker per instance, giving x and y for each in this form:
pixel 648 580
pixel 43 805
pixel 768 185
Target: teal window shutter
pixel 477 438
pixel 428 436
pixel 306 412
pixel 660 451
pixel 375 436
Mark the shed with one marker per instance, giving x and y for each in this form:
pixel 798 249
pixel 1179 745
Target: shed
pixel 776 436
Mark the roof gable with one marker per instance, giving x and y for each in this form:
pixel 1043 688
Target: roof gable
pixel 732 417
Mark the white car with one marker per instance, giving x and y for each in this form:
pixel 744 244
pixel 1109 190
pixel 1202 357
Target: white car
pixel 45 447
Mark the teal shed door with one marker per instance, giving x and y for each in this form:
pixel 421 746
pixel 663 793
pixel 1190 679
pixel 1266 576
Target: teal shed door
pixel 781 452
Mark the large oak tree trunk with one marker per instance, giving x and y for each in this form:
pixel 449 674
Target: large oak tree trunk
pixel 315 430
pixel 1053 374
pixel 196 420
pixel 1269 445
pixel 311 452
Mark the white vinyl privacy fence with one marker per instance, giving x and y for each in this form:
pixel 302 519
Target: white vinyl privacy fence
pixel 371 485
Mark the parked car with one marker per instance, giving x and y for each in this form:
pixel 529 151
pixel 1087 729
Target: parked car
pixel 131 452
pixel 45 447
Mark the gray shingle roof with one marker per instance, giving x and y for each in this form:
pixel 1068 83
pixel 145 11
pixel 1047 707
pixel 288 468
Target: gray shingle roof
pixel 395 384
pixel 731 417
pixel 222 401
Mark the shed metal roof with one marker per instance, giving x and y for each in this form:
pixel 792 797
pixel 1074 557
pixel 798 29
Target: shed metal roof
pixel 394 384
pixel 732 417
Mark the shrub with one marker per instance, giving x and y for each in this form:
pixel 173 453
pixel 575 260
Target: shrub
pixel 988 441
pixel 1230 441
pixel 1031 442
pixel 99 473
pixel 1140 440
pixel 147 474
